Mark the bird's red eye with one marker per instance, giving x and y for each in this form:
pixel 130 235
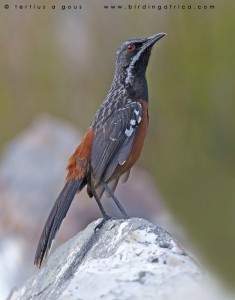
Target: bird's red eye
pixel 130 48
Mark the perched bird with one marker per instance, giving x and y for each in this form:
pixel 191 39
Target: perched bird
pixel 112 143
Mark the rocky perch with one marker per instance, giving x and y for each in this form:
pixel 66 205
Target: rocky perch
pixel 124 260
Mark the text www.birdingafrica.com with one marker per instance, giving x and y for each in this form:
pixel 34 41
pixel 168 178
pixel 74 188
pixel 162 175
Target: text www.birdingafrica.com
pixel 159 7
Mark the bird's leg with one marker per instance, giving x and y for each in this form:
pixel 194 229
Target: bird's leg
pixel 107 188
pixel 106 217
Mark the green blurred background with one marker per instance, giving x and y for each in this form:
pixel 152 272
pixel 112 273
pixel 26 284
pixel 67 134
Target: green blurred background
pixel 62 63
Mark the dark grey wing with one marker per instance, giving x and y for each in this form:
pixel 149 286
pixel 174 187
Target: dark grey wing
pixel 113 141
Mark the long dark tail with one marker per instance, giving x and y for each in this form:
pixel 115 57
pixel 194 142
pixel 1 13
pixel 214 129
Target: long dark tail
pixel 56 217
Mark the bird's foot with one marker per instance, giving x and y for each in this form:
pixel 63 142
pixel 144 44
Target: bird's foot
pixel 101 224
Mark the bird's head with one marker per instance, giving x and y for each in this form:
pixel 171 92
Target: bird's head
pixel 133 55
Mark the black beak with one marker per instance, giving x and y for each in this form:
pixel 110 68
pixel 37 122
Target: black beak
pixel 153 39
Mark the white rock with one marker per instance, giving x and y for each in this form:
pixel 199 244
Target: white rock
pixel 125 259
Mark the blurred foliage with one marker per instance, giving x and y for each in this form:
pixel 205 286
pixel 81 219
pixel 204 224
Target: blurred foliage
pixel 62 63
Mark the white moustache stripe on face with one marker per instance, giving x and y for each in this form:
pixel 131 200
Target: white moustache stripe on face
pixel 131 66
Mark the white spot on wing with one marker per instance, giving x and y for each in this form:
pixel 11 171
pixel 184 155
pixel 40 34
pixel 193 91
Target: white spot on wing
pixel 136 112
pixel 128 132
pixel 133 122
pixel 122 163
pixel 139 119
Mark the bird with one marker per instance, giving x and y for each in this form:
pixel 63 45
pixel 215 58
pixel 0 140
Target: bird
pixel 113 142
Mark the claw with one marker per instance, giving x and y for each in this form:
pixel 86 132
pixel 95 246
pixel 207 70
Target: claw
pixel 101 224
